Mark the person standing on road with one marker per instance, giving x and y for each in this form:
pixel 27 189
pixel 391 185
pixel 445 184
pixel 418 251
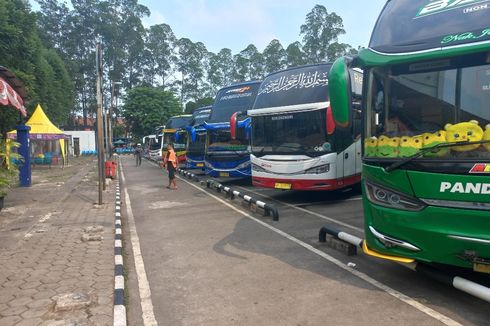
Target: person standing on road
pixel 170 161
pixel 138 152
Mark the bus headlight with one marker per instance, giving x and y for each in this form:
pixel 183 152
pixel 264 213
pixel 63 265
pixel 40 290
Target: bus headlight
pixel 257 168
pixel 318 169
pixel 390 198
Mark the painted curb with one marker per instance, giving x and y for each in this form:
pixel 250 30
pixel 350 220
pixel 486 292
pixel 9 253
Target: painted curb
pixel 267 209
pixel 119 304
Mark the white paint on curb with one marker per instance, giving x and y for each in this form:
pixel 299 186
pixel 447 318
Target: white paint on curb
pixel 118 260
pixel 119 282
pixel 118 244
pixel 119 315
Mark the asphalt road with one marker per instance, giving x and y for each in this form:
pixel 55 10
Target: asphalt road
pixel 211 261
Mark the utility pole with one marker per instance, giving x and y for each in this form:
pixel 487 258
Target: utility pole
pixel 100 132
pixel 109 120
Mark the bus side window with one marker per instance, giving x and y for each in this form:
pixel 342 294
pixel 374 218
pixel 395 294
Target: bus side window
pixel 356 119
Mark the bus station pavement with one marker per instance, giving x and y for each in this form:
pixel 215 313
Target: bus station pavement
pixel 57 249
pixel 210 261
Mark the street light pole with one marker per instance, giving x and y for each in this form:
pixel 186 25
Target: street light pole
pixel 100 132
pixel 109 121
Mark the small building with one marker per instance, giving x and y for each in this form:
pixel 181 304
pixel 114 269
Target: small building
pixel 82 142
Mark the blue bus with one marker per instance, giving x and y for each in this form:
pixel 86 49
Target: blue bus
pixel 196 139
pixel 224 156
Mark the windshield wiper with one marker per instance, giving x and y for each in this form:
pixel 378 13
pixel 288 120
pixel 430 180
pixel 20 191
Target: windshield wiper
pixel 422 151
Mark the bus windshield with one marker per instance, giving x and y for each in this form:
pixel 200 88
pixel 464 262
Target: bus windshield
pixel 291 133
pixel 419 105
pixel 178 122
pixel 155 143
pixel 182 142
pixel 415 25
pixel 220 141
pixel 199 116
pixel 197 147
pixel 233 99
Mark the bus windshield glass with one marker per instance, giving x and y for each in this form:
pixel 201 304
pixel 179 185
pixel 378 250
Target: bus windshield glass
pixel 220 141
pixel 168 137
pixel 200 115
pixel 182 142
pixel 197 147
pixel 416 106
pixel 233 99
pixel 291 134
pixel 155 143
pixel 178 122
pixel 415 25
pixel 302 85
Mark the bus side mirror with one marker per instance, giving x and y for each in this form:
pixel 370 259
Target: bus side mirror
pixel 330 121
pixel 193 134
pixel 234 124
pixel 248 128
pixel 339 85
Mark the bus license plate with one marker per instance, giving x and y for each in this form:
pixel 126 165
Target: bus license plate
pixel 482 268
pixel 224 174
pixel 200 165
pixel 279 185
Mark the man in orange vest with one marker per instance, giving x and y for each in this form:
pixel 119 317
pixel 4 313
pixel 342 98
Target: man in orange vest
pixel 170 161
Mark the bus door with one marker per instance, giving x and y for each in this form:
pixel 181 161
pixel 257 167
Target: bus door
pixel 351 139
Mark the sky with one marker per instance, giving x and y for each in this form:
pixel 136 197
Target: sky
pixel 234 24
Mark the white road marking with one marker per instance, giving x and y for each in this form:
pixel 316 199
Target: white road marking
pixel 143 284
pixel 400 296
pixel 308 211
pixel 45 218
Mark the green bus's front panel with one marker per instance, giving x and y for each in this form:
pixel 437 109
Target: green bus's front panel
pixel 451 225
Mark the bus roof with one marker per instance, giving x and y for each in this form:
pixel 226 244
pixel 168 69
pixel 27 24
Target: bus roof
pixel 406 26
pixel 233 98
pixel 294 86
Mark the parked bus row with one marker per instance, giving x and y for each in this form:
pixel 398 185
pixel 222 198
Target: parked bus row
pixel 420 103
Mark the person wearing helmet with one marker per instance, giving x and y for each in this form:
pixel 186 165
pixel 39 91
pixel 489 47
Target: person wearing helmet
pixel 138 152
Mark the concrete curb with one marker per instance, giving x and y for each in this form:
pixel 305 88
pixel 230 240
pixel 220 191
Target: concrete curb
pixel 119 304
pixel 268 209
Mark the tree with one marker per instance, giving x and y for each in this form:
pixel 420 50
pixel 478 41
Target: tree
pixel 219 71
pixel 190 66
pixel 225 58
pixel 41 70
pixel 320 35
pixel 191 106
pixel 255 62
pixel 241 68
pixel 274 57
pixel 161 44
pixel 295 55
pixel 147 107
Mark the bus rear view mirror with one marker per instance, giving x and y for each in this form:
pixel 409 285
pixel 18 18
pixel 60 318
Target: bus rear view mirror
pixel 340 92
pixel 234 123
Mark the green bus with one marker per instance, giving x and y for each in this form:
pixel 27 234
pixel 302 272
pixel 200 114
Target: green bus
pixel 426 132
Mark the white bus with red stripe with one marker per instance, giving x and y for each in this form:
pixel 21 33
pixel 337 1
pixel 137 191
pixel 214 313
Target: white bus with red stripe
pixel 295 143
